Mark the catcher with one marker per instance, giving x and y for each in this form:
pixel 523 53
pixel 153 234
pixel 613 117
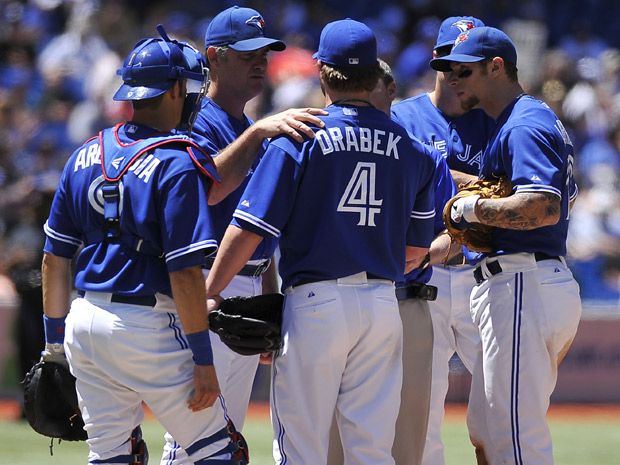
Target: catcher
pixel 459 214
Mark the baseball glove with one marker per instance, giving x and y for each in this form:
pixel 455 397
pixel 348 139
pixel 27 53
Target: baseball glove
pixel 249 325
pixel 476 237
pixel 51 404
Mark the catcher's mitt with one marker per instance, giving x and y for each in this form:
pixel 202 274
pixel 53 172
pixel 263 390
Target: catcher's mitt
pixel 476 237
pixel 249 325
pixel 51 404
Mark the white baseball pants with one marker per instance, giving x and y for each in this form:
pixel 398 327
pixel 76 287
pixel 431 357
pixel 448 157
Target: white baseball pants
pixel 123 355
pixel 527 316
pixel 454 331
pixel 342 354
pixel 412 420
pixel 235 373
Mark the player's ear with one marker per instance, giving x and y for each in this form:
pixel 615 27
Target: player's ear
pixel 177 90
pixel 391 91
pixel 497 64
pixel 212 55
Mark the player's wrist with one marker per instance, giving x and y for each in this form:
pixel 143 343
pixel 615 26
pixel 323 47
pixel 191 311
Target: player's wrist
pixel 468 211
pixel 55 348
pixel 257 131
pixel 55 353
pixel 200 345
pixel 54 330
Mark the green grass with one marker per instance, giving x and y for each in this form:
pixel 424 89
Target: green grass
pixel 589 441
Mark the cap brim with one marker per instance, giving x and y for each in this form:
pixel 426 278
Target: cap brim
pixel 249 45
pixel 443 63
pixel 127 92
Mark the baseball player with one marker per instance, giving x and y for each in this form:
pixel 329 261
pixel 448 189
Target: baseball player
pixel 135 199
pixel 236 51
pixel 350 208
pixel 385 91
pixel 437 119
pixel 413 295
pixel 526 302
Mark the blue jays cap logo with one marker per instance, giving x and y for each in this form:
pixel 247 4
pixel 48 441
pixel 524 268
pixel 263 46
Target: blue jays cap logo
pixel 461 38
pixel 464 25
pixel 256 20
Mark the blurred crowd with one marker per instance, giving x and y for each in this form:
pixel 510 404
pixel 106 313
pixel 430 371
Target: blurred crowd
pixel 58 60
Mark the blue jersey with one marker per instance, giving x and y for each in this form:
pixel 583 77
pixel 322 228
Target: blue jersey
pixel 531 147
pixel 445 189
pixel 347 201
pixel 214 130
pixel 162 209
pixel 460 140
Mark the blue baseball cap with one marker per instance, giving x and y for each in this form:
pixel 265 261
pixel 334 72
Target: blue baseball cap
pixel 475 45
pixel 452 27
pixel 347 43
pixel 241 29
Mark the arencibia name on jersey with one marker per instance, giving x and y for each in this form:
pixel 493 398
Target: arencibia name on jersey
pixel 88 156
pixel 91 155
pixel 366 140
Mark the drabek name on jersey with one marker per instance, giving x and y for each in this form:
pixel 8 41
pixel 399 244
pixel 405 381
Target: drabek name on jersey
pixel 361 140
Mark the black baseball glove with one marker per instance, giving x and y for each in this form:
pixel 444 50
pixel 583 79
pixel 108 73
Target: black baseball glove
pixel 51 404
pixel 249 325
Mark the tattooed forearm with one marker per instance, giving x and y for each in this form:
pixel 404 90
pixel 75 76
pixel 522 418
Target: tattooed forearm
pixel 522 211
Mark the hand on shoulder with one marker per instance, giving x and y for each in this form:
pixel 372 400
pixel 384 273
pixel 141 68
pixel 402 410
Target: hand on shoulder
pixel 291 122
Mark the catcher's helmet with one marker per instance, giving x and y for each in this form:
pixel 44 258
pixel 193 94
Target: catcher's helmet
pixel 154 65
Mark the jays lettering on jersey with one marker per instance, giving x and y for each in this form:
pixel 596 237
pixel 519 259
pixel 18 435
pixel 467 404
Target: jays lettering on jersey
pixel 163 205
pixel 461 140
pixel 533 149
pixel 345 201
pixel 213 130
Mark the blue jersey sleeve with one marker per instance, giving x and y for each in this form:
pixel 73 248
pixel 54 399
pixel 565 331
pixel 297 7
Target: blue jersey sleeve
pixel 445 189
pixel 63 237
pixel 420 231
pixel 268 199
pixel 539 166
pixel 185 221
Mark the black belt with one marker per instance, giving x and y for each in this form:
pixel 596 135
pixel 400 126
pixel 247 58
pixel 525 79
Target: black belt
pixel 495 268
pixel 248 270
pixel 309 281
pixel 144 300
pixel 416 291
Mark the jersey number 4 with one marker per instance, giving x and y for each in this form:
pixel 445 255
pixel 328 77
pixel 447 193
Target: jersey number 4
pixel 359 196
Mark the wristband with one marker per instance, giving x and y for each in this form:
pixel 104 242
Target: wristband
pixel 54 329
pixel 469 209
pixel 200 345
